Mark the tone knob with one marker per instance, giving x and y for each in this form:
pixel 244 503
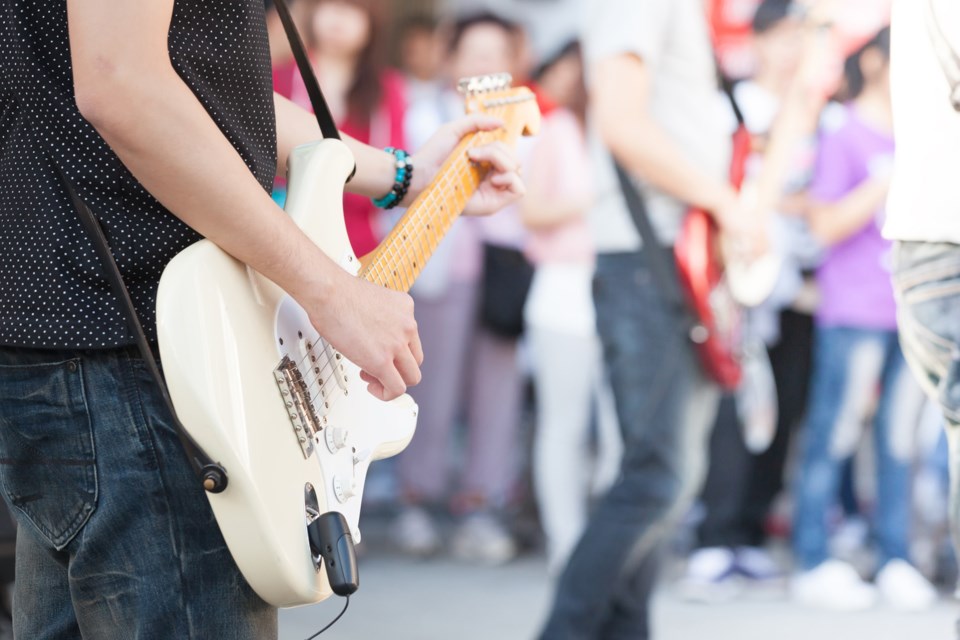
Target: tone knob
pixel 344 489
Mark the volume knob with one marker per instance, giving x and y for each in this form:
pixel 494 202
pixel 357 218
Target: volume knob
pixel 336 438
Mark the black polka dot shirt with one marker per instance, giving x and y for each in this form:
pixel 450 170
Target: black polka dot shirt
pixel 53 293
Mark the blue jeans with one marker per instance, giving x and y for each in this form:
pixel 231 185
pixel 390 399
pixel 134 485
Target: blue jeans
pixel 665 408
pixel 927 282
pixel 849 365
pixel 116 539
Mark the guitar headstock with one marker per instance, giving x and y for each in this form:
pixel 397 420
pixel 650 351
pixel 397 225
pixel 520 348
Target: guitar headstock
pixel 494 95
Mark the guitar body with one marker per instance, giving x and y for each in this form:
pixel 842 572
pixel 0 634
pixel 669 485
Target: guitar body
pixel 701 272
pixel 262 394
pixel 223 331
pixel 704 279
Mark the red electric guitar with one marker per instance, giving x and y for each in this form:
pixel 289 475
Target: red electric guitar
pixel 704 279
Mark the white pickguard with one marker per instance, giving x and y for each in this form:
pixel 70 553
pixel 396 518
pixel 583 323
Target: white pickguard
pixel 220 327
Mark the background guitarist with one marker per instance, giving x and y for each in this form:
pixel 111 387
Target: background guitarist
pixel 163 117
pixel 656 109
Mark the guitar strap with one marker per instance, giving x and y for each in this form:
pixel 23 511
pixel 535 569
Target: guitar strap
pixel 660 257
pixel 211 473
pixel 320 108
pixel 949 60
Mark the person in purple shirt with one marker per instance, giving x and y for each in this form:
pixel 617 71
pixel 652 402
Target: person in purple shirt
pixel 856 353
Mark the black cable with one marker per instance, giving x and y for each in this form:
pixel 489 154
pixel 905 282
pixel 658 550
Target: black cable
pixel 334 621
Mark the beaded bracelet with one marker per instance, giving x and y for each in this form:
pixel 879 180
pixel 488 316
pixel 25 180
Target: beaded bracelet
pixel 401 182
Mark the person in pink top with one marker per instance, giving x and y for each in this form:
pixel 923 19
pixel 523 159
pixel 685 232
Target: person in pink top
pixel 346 38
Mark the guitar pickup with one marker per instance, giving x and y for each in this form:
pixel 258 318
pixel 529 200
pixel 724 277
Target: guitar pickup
pixel 338 365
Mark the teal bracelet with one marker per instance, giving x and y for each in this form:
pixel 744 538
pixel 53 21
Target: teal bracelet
pixel 401 181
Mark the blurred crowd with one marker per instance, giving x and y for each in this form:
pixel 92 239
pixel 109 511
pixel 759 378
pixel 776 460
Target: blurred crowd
pixel 848 480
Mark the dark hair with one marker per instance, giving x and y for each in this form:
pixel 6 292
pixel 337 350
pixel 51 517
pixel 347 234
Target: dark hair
pixel 854 82
pixel 364 96
pixel 572 47
pixel 771 13
pixel 465 23
pixel 418 22
pixel 578 104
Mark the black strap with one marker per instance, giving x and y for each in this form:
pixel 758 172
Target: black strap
pixel 949 60
pixel 212 474
pixel 320 108
pixel 660 258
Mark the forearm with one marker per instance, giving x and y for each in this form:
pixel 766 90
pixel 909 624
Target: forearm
pixel 833 223
pixel 297 126
pixel 540 211
pixel 552 196
pixel 183 159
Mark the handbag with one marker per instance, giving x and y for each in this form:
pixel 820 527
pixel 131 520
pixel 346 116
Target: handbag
pixel 507 276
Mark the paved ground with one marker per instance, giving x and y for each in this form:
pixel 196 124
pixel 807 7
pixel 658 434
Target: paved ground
pixel 402 599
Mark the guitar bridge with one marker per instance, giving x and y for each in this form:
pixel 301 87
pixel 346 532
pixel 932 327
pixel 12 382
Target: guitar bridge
pixel 296 398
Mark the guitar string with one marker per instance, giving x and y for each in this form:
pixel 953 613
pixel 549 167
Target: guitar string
pixel 462 172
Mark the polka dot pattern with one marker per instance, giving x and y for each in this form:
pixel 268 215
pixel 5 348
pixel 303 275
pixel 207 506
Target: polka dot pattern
pixel 52 291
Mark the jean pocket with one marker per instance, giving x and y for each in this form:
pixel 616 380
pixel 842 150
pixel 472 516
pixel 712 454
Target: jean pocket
pixel 47 464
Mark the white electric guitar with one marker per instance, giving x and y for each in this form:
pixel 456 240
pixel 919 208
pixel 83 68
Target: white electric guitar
pixel 264 395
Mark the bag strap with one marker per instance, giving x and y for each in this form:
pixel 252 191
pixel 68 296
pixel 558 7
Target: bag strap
pixel 949 60
pixel 212 475
pixel 320 108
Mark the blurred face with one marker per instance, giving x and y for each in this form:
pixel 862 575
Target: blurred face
pixel 340 28
pixel 779 49
pixel 421 54
pixel 876 70
pixel 563 81
pixel 483 49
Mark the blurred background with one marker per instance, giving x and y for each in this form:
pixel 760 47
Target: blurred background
pixel 465 533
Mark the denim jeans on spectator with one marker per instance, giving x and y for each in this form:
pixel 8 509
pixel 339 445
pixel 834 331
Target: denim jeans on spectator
pixel 927 282
pixel 849 365
pixel 665 409
pixel 116 540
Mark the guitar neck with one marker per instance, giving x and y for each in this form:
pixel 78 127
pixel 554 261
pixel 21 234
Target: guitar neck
pixel 401 256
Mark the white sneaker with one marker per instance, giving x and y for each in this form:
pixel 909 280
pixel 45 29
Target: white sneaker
pixel 833 585
pixel 416 533
pixel 711 576
pixel 904 588
pixel 481 538
pixel 757 565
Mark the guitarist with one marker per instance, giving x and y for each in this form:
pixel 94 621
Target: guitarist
pixel 655 109
pixel 162 116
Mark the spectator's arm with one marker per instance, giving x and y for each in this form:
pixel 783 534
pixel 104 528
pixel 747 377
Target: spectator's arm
pixel 842 202
pixel 835 222
pixel 558 182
